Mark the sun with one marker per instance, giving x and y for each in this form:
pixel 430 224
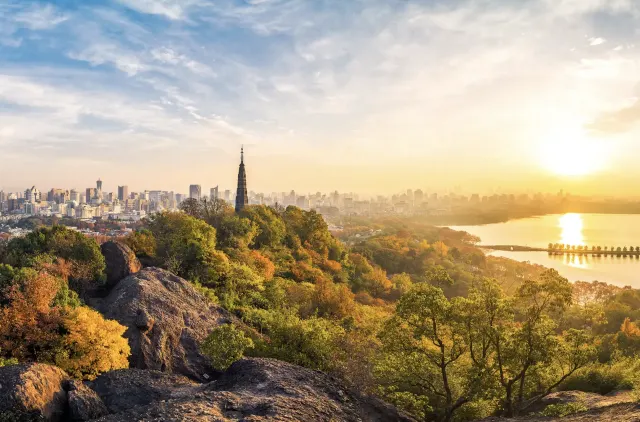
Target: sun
pixel 571 152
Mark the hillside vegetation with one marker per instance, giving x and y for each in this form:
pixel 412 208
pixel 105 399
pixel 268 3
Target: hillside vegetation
pixel 414 314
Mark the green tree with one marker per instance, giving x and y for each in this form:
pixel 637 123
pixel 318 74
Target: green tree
pixel 425 345
pixel 438 276
pixel 184 244
pixel 516 338
pixel 271 229
pixel 46 244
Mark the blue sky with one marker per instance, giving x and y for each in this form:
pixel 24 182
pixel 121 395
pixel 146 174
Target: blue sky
pixel 364 95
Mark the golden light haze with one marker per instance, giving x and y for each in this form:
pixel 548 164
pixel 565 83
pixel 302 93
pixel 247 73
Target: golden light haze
pixel 371 97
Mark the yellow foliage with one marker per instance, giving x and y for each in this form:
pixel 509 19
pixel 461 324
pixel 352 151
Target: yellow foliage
pixel 93 344
pixel 441 249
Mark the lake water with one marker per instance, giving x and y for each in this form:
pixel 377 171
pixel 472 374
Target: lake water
pixel 610 230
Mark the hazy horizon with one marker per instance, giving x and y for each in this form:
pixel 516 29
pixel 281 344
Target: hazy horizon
pixel 364 96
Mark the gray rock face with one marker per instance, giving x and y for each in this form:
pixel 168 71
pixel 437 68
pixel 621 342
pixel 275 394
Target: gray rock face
pixel 251 390
pixel 83 403
pixel 33 391
pixel 167 320
pixel 125 389
pixel 120 262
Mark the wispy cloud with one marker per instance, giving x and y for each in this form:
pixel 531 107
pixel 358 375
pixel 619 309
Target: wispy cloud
pixel 172 9
pixel 299 77
pixel 39 17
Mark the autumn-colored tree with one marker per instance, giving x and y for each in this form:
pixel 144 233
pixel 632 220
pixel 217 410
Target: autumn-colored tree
pixel 441 249
pixel 92 345
pixel 40 324
pixel 262 265
pixel 332 300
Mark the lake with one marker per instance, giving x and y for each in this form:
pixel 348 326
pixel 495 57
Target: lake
pixel 610 230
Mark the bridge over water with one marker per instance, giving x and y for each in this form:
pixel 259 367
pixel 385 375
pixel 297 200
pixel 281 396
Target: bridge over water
pixel 555 249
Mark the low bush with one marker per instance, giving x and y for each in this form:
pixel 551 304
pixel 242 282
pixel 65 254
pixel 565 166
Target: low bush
pixel 605 378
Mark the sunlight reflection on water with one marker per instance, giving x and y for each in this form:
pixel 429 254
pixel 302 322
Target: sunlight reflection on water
pixel 571 226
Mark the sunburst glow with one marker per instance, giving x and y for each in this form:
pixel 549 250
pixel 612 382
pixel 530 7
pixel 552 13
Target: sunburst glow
pixel 570 152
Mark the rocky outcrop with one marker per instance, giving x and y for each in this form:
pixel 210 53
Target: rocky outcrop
pixel 167 319
pixel 38 392
pixel 251 390
pixel 127 388
pixel 120 262
pixel 83 403
pixel 33 391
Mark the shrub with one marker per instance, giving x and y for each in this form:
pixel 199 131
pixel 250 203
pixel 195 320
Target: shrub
pixel 562 410
pixel 225 345
pixel 309 343
pixel 604 378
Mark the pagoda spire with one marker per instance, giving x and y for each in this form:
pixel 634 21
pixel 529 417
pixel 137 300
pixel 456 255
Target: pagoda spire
pixel 242 197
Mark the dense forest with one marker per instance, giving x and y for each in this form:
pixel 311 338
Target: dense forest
pixel 412 313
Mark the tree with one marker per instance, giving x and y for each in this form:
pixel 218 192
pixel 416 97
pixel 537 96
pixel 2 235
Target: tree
pixel 424 344
pixel 441 249
pixel 212 211
pixel 519 336
pixel 92 345
pixel 184 244
pixel 36 325
pixel 225 345
pixel 142 243
pixel 438 276
pixel 271 229
pixel 45 244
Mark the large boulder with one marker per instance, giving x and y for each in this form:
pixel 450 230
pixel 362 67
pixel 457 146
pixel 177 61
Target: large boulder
pixel 83 403
pixel 120 262
pixel 254 390
pixel 33 392
pixel 166 320
pixel 125 389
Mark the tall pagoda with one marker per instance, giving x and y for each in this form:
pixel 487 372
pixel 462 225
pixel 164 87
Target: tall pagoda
pixel 242 198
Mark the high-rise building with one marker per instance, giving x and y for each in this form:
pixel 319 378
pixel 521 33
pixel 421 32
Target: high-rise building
pixel 32 195
pixel 195 192
pixel 213 194
pixel 242 197
pixel 227 195
pixel 90 194
pixel 99 185
pixel 123 193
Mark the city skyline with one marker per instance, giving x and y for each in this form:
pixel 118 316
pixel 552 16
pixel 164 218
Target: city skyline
pixel 357 96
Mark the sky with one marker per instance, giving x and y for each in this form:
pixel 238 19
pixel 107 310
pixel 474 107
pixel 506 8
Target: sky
pixel 372 96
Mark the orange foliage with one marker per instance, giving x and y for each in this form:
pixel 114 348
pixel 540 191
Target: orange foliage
pixel 303 272
pixel 79 340
pixel 29 325
pixel 262 265
pixel 629 328
pixel 333 300
pixel 333 267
